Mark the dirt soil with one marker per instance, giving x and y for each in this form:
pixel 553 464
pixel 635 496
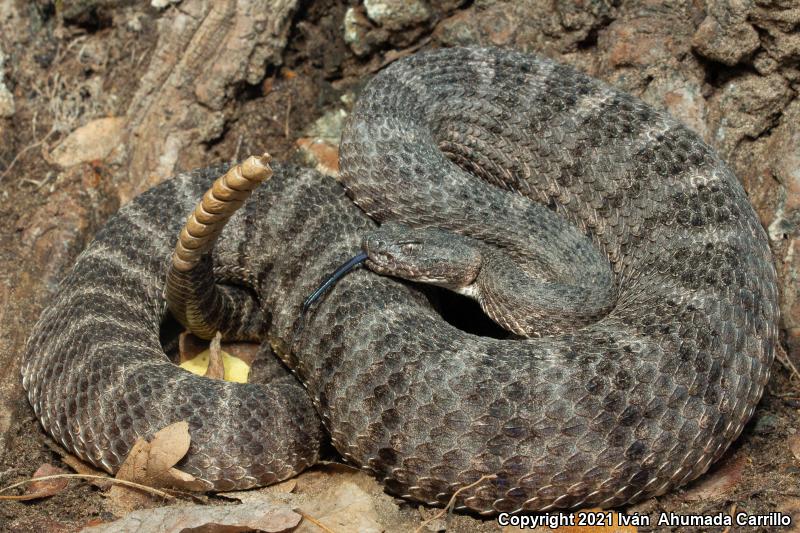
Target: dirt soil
pixel 100 99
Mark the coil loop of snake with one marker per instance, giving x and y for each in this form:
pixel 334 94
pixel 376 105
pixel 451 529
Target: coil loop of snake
pixel 616 247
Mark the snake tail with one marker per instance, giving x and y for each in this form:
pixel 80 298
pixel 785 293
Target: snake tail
pixel 192 294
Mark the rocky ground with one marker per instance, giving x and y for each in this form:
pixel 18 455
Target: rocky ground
pixel 100 99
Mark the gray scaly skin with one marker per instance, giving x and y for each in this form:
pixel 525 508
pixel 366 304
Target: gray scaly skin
pixel 624 407
pixel 518 297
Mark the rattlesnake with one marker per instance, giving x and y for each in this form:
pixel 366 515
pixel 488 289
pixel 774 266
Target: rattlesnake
pixel 624 406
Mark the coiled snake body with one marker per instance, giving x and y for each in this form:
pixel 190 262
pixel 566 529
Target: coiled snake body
pixel 627 404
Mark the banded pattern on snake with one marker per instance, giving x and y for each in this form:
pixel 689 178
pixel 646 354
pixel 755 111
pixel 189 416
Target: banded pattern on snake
pixel 566 177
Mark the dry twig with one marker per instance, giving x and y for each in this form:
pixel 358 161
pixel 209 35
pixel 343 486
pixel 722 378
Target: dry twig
pixel 286 130
pixel 786 361
pixel 449 507
pixel 138 486
pixel 314 521
pixel 22 152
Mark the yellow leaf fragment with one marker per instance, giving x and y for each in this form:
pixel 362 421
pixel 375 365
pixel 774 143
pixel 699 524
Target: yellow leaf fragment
pixel 230 361
pixel 235 369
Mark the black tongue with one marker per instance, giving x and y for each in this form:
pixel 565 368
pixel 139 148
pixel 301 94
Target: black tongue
pixel 333 278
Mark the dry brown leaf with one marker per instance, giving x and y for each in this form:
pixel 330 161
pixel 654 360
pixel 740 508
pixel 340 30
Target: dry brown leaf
pixel 794 445
pixel 246 351
pixel 320 153
pixel 151 463
pixel 215 369
pixel 82 468
pixel 285 487
pixel 189 346
pixel 49 487
pixel 135 465
pixel 168 446
pixel 121 500
pixel 346 507
pixel 327 493
pixel 791 506
pixel 718 483
pixel 260 516
pixel 44 488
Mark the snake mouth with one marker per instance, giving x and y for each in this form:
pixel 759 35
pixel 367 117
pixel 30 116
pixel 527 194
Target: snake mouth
pixel 382 261
pixel 385 265
pixel 395 271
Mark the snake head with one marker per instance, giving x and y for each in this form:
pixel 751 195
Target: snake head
pixel 428 255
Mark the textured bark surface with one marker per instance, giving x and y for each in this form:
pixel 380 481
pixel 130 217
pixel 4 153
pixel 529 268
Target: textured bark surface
pixel 200 82
pixel 205 52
